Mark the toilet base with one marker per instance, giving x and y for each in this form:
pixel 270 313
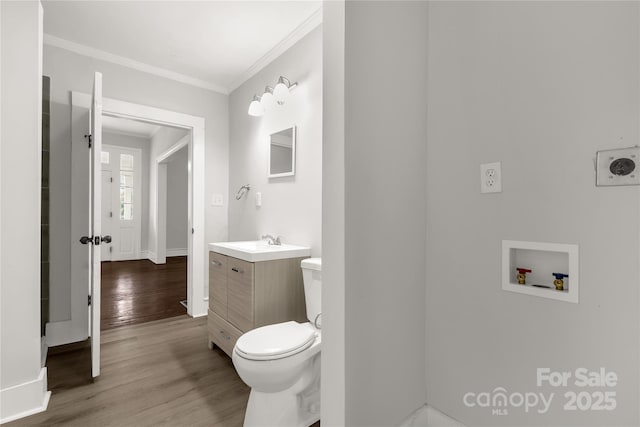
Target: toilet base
pixel 278 409
pixel 297 406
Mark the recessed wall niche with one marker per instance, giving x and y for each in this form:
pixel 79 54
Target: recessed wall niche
pixel 547 263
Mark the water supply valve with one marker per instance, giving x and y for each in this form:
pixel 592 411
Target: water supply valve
pixel 522 275
pixel 559 282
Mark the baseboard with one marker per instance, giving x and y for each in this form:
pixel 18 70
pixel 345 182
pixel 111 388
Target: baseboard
pixel 199 315
pixel 24 399
pixel 151 256
pixel 177 252
pixel 428 416
pixel 65 332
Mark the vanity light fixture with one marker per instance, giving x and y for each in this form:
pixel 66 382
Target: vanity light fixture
pixel 256 109
pixel 271 96
pixel 283 89
pixel 267 100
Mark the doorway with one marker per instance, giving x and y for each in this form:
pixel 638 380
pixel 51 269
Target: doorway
pixel 137 285
pixel 196 247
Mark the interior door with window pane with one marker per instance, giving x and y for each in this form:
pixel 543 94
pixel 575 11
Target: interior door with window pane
pixel 127 205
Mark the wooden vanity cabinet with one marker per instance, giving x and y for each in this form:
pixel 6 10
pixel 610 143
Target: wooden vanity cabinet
pixel 246 295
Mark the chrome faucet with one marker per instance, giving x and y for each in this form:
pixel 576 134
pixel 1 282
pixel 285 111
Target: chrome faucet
pixel 271 240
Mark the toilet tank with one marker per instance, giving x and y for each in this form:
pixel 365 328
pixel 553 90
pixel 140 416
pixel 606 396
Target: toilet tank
pixel 312 276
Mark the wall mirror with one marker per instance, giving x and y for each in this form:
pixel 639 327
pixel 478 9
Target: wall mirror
pixel 282 153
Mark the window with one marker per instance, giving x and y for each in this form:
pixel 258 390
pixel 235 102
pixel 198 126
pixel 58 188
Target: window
pixel 126 187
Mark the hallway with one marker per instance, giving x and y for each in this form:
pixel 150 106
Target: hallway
pixel 140 291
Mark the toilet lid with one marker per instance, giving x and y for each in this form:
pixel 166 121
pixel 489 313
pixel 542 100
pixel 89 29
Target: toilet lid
pixel 275 341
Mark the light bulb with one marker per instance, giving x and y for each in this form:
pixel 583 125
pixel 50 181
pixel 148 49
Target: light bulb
pixel 256 109
pixel 281 92
pixel 267 100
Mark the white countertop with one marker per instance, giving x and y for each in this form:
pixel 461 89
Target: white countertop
pixel 259 250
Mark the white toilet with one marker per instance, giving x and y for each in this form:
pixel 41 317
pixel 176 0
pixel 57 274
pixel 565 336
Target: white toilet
pixel 281 363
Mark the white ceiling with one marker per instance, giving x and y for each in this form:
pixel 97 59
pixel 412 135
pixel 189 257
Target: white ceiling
pixel 129 127
pixel 219 43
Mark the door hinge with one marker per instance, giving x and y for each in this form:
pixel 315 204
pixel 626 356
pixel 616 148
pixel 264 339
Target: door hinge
pixel 110 214
pixel 110 179
pixel 88 136
pixel 193 231
pixel 89 300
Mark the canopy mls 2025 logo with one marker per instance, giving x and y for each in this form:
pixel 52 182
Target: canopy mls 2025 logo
pixel 594 393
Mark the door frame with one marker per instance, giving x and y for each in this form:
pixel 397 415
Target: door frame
pixel 137 195
pixel 160 220
pixel 197 277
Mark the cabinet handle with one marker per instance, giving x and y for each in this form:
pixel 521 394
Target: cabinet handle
pixel 225 336
pixel 237 270
pixel 218 263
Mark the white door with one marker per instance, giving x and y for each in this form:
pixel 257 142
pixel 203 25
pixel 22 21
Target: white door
pixel 95 217
pixel 107 212
pixel 122 202
pixel 127 198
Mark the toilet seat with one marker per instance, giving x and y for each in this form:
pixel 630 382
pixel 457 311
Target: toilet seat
pixel 275 341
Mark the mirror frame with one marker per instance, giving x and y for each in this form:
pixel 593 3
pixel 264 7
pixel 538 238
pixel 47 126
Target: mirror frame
pixel 294 130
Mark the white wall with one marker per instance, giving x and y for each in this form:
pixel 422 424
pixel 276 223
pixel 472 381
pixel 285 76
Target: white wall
pixel 291 206
pixel 177 200
pixel 73 72
pixel 23 382
pixel 144 145
pixel 540 86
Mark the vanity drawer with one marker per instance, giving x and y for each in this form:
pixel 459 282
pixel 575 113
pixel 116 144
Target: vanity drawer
pixel 222 333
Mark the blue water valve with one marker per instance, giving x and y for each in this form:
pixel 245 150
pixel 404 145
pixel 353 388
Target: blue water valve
pixel 559 282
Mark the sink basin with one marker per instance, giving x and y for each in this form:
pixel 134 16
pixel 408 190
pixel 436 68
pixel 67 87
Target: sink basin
pixel 259 250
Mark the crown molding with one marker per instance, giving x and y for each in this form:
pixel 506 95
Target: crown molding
pixel 309 24
pixel 131 63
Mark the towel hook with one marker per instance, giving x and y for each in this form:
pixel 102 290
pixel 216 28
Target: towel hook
pixel 242 191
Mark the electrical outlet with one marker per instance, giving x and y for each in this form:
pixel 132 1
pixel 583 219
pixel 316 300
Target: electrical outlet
pixel 491 178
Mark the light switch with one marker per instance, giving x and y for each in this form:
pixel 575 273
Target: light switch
pixel 217 200
pixel 258 200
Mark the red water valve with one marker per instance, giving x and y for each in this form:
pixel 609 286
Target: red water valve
pixel 522 275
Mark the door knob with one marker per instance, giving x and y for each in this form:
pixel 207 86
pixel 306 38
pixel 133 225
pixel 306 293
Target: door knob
pixel 106 239
pixel 86 240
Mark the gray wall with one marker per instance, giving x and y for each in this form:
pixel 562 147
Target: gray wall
pixel 291 206
pixel 177 200
pixel 143 144
pixel 162 141
pixel 540 86
pixel 384 187
pixel 73 72
pixel 333 219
